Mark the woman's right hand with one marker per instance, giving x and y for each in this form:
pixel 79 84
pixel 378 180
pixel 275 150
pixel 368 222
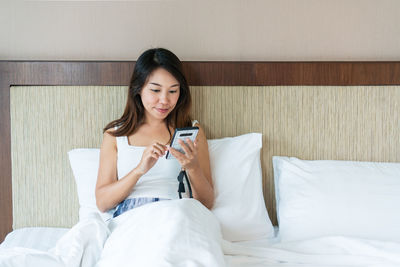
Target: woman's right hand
pixel 150 156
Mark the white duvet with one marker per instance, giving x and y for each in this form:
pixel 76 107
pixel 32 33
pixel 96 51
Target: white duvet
pixel 185 233
pixel 166 233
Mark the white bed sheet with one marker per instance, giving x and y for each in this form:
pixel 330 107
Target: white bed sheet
pixel 41 238
pixel 321 252
pixel 246 260
pixel 331 251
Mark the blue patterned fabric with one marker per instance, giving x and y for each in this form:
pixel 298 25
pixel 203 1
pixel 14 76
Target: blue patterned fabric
pixel 131 203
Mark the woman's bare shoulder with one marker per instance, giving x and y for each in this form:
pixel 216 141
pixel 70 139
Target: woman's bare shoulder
pixel 201 135
pixel 109 140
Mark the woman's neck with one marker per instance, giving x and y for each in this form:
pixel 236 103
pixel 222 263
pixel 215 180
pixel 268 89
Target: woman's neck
pixel 154 123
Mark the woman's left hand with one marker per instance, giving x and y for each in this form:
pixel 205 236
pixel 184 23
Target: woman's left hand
pixel 189 160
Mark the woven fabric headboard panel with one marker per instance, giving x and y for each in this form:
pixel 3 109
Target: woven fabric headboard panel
pixel 309 122
pixel 352 123
pixel 47 122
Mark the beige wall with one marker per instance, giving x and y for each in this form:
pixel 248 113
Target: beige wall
pixel 201 30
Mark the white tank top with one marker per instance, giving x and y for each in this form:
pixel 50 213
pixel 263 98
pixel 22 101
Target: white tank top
pixel 160 181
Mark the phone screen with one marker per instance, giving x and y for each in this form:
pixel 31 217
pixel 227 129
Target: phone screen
pixel 182 133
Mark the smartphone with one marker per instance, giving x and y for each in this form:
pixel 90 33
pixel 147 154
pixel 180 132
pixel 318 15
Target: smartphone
pixel 182 133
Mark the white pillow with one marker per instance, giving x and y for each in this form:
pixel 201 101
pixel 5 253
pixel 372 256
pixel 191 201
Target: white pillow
pixel 237 176
pixel 347 198
pixel 85 165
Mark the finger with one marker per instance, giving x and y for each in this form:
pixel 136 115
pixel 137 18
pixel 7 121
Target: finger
pixel 153 153
pixel 190 144
pixel 157 151
pixel 178 155
pixel 161 147
pixel 185 147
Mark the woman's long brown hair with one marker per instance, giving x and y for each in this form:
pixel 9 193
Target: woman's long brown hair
pixel 133 116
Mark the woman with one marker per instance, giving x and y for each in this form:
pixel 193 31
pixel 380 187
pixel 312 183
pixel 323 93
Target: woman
pixel 133 170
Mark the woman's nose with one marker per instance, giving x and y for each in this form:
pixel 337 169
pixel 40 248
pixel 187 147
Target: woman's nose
pixel 164 98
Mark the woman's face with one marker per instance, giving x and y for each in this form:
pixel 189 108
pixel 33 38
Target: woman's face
pixel 160 94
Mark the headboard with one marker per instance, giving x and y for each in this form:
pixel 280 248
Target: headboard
pixel 311 110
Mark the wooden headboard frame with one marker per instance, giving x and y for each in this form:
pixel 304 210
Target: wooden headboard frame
pixel 14 73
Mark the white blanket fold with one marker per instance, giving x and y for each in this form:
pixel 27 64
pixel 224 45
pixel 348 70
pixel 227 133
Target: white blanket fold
pixel 166 233
pixel 81 246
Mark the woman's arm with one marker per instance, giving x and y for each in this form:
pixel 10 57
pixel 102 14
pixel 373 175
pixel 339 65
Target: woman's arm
pixel 109 190
pixel 196 162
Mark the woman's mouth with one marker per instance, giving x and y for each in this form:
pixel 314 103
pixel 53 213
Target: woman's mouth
pixel 162 110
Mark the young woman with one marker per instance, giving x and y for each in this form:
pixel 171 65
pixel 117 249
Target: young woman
pixel 133 169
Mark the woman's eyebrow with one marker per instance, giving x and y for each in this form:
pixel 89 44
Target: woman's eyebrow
pixel 160 84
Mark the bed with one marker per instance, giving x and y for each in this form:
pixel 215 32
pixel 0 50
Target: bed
pixel 297 116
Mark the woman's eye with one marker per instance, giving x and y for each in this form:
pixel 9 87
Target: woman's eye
pixel 172 92
pixel 155 90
